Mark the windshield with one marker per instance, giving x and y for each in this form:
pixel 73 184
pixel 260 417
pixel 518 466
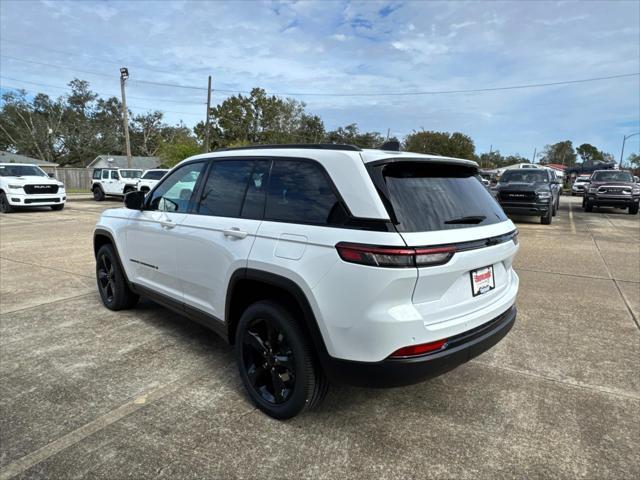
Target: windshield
pixel 426 197
pixel 130 173
pixel 154 175
pixel 582 180
pixel 21 171
pixel 612 176
pixel 524 176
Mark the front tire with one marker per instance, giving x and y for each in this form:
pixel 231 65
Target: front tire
pixel 633 209
pixel 112 283
pixel 276 362
pixel 588 206
pixel 5 206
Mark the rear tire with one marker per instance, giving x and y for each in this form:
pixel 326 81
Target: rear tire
pixel 5 207
pixel 57 207
pixel 98 194
pixel 555 208
pixel 276 362
pixel 112 283
pixel 633 209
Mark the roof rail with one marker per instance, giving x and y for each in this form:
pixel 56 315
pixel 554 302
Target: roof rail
pixel 310 146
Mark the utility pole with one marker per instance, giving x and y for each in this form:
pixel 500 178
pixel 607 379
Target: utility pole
pixel 624 140
pixel 124 74
pixel 388 133
pixel 206 121
pixel 534 155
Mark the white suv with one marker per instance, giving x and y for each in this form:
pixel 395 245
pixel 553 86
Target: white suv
pixel 320 263
pixel 115 182
pixel 150 178
pixel 26 185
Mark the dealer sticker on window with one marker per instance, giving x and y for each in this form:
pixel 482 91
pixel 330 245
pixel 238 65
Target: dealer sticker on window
pixel 482 280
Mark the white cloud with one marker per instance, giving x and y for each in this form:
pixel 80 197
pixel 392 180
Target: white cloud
pixel 349 47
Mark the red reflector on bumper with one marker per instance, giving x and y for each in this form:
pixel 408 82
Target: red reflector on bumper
pixel 416 350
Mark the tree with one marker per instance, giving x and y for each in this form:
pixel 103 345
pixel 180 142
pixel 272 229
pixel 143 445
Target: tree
pixel 258 119
pixel 177 149
pixel 588 153
pixel 634 160
pixel 351 135
pixel 561 153
pixel 440 143
pixel 75 128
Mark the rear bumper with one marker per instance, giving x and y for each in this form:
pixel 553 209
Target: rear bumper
pixel 613 201
pixel 398 372
pixel 525 208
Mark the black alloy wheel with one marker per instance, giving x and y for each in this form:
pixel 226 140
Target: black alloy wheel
pixel 106 280
pixel 112 284
pixel 5 207
pixel 268 361
pixel 276 361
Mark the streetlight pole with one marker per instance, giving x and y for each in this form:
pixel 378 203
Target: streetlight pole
pixel 124 74
pixel 624 140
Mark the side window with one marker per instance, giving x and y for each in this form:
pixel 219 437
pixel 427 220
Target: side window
pixel 299 192
pixel 115 175
pixel 105 174
pixel 225 188
pixel 253 206
pixel 174 193
pixel 97 174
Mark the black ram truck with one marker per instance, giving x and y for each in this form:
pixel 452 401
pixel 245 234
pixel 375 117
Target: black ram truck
pixel 529 191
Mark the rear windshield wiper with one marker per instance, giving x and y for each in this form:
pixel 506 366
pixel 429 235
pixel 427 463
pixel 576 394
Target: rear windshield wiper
pixel 472 219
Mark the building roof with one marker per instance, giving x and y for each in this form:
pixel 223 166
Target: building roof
pixel 8 157
pixel 120 161
pixel 556 166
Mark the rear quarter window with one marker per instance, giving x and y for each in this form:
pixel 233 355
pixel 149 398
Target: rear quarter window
pixel 425 196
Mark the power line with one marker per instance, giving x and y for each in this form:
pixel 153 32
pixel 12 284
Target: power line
pixel 362 94
pixel 102 59
pixel 132 107
pixel 102 93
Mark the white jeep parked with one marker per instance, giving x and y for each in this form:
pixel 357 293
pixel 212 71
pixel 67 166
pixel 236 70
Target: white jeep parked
pixel 150 178
pixel 116 182
pixel 26 185
pixel 320 263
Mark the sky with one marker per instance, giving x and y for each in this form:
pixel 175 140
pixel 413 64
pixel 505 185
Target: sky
pixel 329 53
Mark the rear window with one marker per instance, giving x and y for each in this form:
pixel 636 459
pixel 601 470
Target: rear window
pixel 154 175
pixel 427 197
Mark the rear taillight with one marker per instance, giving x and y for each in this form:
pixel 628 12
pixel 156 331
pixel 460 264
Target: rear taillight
pixel 397 257
pixel 417 350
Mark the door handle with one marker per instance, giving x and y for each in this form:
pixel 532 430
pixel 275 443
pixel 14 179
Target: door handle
pixel 234 232
pixel 166 223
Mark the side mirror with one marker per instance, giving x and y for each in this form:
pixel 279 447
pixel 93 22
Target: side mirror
pixel 134 200
pixel 52 175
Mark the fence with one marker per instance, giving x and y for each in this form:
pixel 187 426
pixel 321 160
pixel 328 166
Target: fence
pixel 73 178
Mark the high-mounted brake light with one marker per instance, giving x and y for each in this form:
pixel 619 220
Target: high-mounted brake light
pixel 422 349
pixel 397 257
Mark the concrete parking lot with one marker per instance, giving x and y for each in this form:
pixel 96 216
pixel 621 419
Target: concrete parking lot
pixel 86 392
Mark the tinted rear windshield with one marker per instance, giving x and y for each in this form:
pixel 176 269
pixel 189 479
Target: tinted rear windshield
pixel 612 176
pixel 425 196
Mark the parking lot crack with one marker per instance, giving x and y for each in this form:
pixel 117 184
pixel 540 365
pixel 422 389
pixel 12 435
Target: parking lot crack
pixel 79 434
